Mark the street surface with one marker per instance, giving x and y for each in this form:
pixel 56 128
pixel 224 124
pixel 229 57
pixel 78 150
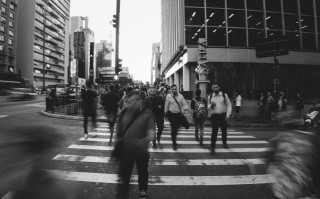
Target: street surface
pixel 190 172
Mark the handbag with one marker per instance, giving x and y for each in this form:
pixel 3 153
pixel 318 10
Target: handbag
pixel 182 119
pixel 116 153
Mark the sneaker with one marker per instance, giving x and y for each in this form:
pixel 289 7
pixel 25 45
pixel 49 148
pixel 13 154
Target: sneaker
pixel 143 194
pixel 85 136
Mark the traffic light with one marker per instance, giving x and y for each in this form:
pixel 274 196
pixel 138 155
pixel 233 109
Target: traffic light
pixel 118 68
pixel 115 21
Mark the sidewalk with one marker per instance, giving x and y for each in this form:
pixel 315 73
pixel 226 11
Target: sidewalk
pixel 249 122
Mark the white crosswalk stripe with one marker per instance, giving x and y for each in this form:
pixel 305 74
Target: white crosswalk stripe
pixel 189 154
pixel 3 116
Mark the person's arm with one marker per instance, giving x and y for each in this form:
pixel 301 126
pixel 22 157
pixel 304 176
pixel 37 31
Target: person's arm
pixel 185 105
pixel 229 106
pixel 166 106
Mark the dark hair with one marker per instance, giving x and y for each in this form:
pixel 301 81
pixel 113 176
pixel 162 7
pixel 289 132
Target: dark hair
pixel 198 92
pixel 112 87
pixel 129 89
pixel 215 83
pixel 173 86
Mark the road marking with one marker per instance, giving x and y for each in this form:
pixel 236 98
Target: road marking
pixel 3 116
pixel 185 136
pixel 166 129
pixel 304 132
pixel 185 133
pixel 163 162
pixel 9 195
pixel 36 105
pixel 166 180
pixel 169 150
pixel 183 142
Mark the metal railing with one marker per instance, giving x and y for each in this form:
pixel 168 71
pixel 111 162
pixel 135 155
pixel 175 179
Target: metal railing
pixel 67 105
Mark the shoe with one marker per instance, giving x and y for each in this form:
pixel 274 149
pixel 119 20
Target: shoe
pixel 85 136
pixel 154 145
pixel 197 138
pixel 201 143
pixel 213 152
pixel 174 147
pixel 143 194
pixel 225 146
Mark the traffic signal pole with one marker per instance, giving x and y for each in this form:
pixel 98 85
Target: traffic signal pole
pixel 117 34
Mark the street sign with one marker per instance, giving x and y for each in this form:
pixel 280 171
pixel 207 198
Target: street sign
pixel 271 47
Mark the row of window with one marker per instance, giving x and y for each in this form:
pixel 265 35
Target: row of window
pixel 4 11
pixel 10 32
pixel 10 41
pixel 4 21
pixel 289 6
pixel 39 79
pixel 253 19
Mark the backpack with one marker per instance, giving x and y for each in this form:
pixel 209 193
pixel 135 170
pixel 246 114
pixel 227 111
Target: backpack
pixel 224 97
pixel 200 109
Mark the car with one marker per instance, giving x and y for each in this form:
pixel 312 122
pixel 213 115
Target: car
pixel 22 94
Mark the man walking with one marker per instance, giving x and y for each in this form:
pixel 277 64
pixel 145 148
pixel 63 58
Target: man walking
pixel 155 103
pixel 220 106
pixel 89 104
pixel 110 102
pixel 200 113
pixel 174 105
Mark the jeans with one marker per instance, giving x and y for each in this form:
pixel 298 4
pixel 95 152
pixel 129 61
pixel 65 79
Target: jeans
pixel 199 126
pixel 159 119
pixel 85 121
pixel 218 120
pixel 174 121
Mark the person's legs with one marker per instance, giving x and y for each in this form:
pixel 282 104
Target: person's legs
pixel 125 170
pixel 197 126
pixel 142 167
pixel 174 129
pixel 201 126
pixel 85 125
pixel 223 126
pixel 215 127
pixel 160 123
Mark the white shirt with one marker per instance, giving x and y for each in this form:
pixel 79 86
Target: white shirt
pixel 238 100
pixel 223 105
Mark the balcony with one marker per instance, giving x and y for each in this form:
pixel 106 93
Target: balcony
pixel 52 40
pixel 40 43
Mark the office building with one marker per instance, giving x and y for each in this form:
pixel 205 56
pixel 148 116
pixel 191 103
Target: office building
pixel 43 41
pixel 232 28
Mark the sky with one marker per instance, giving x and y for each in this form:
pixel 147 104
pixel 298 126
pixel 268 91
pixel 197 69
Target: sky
pixel 140 26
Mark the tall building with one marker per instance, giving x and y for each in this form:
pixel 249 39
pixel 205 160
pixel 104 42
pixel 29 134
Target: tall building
pixel 8 41
pixel 43 41
pixel 232 28
pixel 82 65
pixel 155 63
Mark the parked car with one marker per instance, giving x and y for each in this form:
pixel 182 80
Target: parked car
pixel 22 94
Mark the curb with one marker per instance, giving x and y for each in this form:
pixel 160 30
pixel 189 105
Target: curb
pixel 207 124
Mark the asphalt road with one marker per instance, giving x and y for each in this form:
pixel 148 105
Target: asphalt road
pixel 190 172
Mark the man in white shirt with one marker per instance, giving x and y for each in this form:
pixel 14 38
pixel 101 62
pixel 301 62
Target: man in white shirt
pixel 221 107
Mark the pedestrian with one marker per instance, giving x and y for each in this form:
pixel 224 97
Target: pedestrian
pixel 299 104
pixel 262 106
pixel 136 129
pixel 89 105
pixel 200 113
pixel 238 105
pixel 175 106
pixel 269 105
pixel 282 102
pixel 155 103
pixel 221 108
pixel 110 103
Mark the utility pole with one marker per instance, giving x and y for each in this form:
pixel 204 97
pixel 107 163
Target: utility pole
pixel 116 25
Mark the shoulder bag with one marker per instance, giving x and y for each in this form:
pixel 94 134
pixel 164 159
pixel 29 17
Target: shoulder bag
pixel 182 119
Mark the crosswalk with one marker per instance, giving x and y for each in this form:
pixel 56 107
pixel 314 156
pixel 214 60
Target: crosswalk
pixel 190 166
pixel 187 154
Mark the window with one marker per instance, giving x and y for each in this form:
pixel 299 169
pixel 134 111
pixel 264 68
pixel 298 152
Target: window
pixel 274 34
pixel 1 47
pixel 194 3
pixel 1 38
pixel 215 3
pixel 237 37
pixel 194 16
pixel 216 17
pixel 217 36
pixel 291 22
pixel 4 1
pixel 10 42
pixel 255 4
pixel 11 33
pixel 11 24
pixel 11 15
pixel 274 21
pixel 1 57
pixel 11 6
pixel 290 6
pixel 2 28
pixel 3 10
pixel 293 40
pixel 193 34
pixel 3 20
pixel 255 19
pixel 238 4
pixel 273 5
pixel 307 24
pixel 236 18
pixel 10 50
pixel 11 69
pixel 255 35
pixel 306 7
pixel 308 41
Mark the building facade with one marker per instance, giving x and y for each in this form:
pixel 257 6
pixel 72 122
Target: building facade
pixel 8 40
pixel 43 41
pixel 231 28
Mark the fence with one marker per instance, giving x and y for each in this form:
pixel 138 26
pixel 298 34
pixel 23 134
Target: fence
pixel 67 105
